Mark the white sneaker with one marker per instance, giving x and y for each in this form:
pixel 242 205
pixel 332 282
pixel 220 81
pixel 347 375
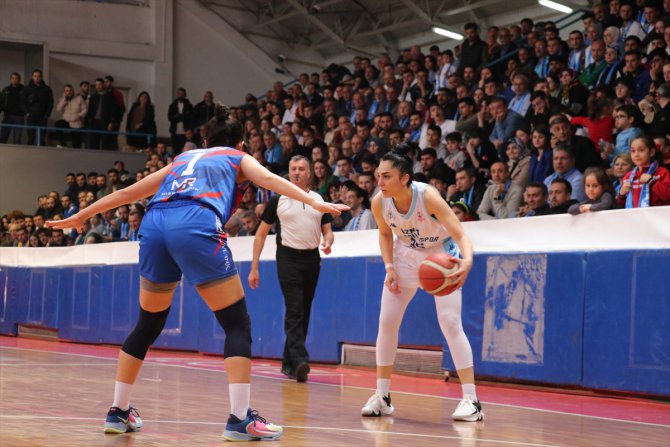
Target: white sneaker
pixel 378 405
pixel 468 410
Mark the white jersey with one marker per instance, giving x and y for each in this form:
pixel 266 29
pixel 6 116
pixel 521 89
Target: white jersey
pixel 417 229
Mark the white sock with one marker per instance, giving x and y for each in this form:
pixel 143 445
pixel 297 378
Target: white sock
pixel 239 399
pixel 384 386
pixel 122 395
pixel 469 391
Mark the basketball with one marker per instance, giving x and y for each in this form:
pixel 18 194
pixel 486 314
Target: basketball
pixel 433 274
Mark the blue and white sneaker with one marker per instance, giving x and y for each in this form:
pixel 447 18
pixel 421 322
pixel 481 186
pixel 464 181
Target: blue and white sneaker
pixel 119 421
pixel 253 428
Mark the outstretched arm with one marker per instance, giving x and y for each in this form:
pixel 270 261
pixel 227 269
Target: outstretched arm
pixel 255 172
pixel 146 187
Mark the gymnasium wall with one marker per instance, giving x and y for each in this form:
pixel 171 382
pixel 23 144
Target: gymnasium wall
pixel 168 44
pixel 558 299
pixel 28 171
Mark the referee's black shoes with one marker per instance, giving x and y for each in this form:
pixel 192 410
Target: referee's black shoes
pixel 299 374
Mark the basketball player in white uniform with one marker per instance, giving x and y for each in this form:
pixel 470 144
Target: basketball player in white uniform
pixel 422 224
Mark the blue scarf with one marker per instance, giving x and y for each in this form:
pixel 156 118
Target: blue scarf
pixel 643 200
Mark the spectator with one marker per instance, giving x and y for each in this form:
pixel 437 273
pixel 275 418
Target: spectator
pixel 518 163
pixel 582 148
pixel 456 157
pixel 599 121
pixel 69 208
pixel 573 95
pixel 466 188
pixel 100 117
pixel 462 211
pixel 648 184
pixel 598 190
pixel 506 122
pixel 38 101
pixel 621 166
pixel 560 192
pixel 503 198
pixel 84 91
pixel 180 116
pixel 73 110
pixel 119 111
pixel 249 222
pixel 121 228
pixel 204 110
pixel 590 73
pixel 535 200
pixel 520 103
pixel 141 119
pixel 12 105
pixel 637 74
pixel 361 216
pixel 612 69
pixel 134 222
pixel 474 51
pixel 625 118
pixel 564 167
pixel 467 120
pixel 660 126
pixel 482 153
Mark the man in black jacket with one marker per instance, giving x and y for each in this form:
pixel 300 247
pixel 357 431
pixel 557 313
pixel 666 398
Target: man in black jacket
pixel 204 110
pixel 38 101
pixel 180 116
pixel 10 104
pixel 101 113
pixel 474 52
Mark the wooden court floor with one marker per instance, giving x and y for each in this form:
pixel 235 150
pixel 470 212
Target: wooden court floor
pixel 57 394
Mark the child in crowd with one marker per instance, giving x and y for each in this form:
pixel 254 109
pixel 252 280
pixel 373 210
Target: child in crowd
pixel 455 158
pixel 621 166
pixel 598 190
pixel 648 184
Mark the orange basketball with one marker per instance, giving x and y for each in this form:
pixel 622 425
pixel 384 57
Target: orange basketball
pixel 433 274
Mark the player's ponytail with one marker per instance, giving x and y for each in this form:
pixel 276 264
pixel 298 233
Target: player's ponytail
pixel 223 129
pixel 400 159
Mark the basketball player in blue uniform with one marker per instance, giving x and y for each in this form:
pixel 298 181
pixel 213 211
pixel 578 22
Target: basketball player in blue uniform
pixel 422 224
pixel 182 233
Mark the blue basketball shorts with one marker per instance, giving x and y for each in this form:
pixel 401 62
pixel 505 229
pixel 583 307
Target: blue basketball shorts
pixel 184 237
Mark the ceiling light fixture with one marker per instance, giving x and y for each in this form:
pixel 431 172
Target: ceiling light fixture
pixel 447 33
pixel 556 6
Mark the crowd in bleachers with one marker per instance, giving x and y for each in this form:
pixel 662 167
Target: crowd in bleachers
pixel 527 122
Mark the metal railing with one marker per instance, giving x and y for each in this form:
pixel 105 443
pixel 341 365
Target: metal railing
pixel 43 129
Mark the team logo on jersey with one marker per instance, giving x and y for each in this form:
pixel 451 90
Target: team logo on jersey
pixel 419 216
pixel 183 185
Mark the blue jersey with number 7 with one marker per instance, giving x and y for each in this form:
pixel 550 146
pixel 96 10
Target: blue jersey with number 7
pixel 206 176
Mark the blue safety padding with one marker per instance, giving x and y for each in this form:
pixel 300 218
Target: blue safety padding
pixel 594 319
pixel 43 297
pixel 79 316
pixel 627 316
pixel 523 316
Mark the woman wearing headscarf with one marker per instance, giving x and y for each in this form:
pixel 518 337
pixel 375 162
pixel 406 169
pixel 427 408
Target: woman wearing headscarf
pixel 518 162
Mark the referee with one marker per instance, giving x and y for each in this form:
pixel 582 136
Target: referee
pixel 299 230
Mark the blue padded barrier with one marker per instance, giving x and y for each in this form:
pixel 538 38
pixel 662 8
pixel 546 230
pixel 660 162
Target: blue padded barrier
pixel 522 320
pixel 597 319
pixel 627 321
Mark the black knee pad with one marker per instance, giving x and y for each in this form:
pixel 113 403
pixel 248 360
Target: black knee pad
pixel 147 330
pixel 236 323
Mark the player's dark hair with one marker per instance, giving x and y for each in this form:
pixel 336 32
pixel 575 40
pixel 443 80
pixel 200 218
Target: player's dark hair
pixel 223 129
pixel 400 160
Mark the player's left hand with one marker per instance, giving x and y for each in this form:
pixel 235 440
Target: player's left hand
pixel 460 275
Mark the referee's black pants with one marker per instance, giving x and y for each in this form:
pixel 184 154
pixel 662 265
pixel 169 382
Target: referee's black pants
pixel 298 272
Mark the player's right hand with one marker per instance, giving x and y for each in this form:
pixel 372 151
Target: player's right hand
pixel 253 278
pixel 391 281
pixel 71 222
pixel 333 208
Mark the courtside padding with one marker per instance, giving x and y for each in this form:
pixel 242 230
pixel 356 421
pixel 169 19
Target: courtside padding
pixel 594 317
